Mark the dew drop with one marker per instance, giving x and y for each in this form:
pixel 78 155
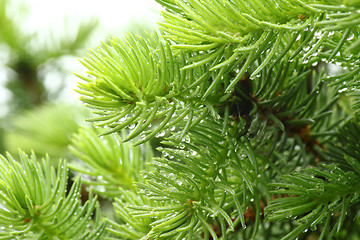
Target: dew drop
pixel 318 34
pixel 342 90
pixel 186 139
pixel 160 134
pixel 313 227
pixel 350 38
pixel 193 153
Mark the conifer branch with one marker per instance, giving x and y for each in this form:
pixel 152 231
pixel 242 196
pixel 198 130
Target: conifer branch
pixel 35 205
pixel 113 164
pixel 242 96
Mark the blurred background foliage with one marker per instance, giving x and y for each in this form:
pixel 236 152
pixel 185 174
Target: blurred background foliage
pixel 38 111
pixel 45 129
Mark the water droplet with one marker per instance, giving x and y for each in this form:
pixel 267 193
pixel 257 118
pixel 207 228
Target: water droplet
pixel 160 134
pixel 186 139
pixel 181 146
pixel 318 34
pixel 313 227
pixel 193 153
pixel 350 38
pixel 121 120
pixel 342 90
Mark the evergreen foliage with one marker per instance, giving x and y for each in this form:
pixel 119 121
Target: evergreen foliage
pixel 115 164
pixel 44 130
pixel 252 107
pixel 34 203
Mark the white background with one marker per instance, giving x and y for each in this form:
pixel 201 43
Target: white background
pixel 54 18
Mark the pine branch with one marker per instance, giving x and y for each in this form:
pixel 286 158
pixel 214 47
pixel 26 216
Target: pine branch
pixel 46 129
pixel 193 188
pixel 114 165
pixel 35 203
pixel 127 97
pixel 316 194
pixel 132 89
pixel 242 96
pixel 242 32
